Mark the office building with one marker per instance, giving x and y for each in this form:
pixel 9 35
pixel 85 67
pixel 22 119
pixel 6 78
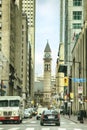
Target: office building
pixel 28 7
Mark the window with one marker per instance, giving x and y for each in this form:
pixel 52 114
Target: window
pixel 77 15
pixel 0 25
pixel 0 35
pixel 4 103
pixel 0 13
pixel 0 47
pixel 22 38
pixel 76 25
pixel 21 75
pixel 0 3
pixel 22 69
pixel 22 26
pixel 77 2
pixel 47 67
pixel 14 103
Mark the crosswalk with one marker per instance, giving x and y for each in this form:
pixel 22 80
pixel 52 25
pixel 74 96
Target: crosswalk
pixel 35 125
pixel 32 128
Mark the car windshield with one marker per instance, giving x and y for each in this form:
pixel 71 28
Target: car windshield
pixel 50 112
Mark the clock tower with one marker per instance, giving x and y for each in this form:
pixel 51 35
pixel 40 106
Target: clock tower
pixel 47 75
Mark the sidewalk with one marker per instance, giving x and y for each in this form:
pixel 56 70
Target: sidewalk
pixel 74 118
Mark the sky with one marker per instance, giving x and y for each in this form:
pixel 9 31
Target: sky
pixel 47 29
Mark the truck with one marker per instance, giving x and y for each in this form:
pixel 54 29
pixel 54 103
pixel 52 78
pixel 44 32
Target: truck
pixel 11 109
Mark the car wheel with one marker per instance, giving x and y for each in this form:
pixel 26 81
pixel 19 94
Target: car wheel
pixel 57 124
pixel 41 124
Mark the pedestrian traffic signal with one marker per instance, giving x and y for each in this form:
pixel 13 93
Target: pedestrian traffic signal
pixel 66 81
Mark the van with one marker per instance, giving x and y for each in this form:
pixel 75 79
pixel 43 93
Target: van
pixel 11 109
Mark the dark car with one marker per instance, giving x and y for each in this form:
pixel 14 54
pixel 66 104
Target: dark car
pixel 50 117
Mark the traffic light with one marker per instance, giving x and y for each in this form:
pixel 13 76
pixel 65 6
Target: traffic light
pixel 66 81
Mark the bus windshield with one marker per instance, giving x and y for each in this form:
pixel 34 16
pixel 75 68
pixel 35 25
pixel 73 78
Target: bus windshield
pixel 4 103
pixel 14 103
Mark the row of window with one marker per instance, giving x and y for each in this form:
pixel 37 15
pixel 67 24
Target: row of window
pixel 46 95
pixel 77 2
pixel 28 1
pixel 76 25
pixel 77 15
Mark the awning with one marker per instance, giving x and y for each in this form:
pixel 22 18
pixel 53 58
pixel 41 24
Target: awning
pixel 62 68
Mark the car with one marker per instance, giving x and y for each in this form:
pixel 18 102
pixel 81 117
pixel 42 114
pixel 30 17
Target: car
pixel 26 114
pixel 39 112
pixel 34 111
pixel 50 117
pixel 61 109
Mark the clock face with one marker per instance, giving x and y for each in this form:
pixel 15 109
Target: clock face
pixel 47 55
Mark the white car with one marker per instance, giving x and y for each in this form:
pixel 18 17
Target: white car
pixel 39 112
pixel 26 114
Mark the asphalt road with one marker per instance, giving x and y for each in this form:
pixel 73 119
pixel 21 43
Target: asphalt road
pixel 33 124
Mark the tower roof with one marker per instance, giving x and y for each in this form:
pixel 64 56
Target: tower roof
pixel 47 48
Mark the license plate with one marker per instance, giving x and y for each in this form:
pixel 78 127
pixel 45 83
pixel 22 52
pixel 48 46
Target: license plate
pixel 50 117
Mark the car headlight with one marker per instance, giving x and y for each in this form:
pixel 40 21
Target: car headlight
pixel 0 113
pixel 14 112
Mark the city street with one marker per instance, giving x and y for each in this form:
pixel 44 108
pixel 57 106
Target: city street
pixel 33 124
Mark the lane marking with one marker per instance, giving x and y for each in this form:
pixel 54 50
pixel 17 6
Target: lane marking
pixel 14 128
pixel 29 128
pixel 45 128
pixel 77 129
pixel 61 128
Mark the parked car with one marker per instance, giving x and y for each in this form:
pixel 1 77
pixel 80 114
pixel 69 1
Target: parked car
pixel 34 111
pixel 27 114
pixel 50 117
pixel 61 109
pixel 39 112
pixel 30 110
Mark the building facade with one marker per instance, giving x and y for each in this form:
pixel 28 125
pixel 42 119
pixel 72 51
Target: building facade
pixel 10 18
pixel 73 23
pixel 28 7
pixel 79 67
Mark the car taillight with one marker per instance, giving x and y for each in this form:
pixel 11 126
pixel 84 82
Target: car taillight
pixel 59 116
pixel 42 116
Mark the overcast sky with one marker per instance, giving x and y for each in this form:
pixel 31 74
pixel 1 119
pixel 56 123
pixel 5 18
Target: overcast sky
pixel 47 28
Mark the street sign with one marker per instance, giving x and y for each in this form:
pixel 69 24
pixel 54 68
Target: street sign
pixel 79 80
pixel 80 89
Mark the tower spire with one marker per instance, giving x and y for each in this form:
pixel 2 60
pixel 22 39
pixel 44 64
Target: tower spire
pixel 47 48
